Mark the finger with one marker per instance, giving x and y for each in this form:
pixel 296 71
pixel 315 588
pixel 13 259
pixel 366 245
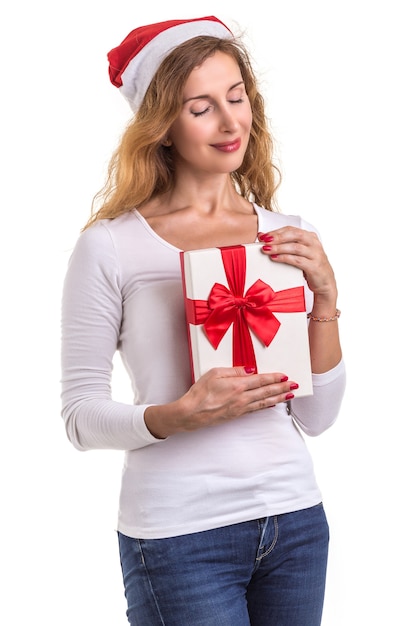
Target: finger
pixel 290 235
pixel 286 233
pixel 229 372
pixel 271 395
pixel 257 381
pixel 298 258
pixel 262 379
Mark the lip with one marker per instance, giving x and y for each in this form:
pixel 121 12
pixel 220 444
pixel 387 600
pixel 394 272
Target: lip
pixel 229 146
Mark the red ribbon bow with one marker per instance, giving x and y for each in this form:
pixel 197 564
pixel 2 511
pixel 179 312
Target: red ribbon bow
pixel 252 310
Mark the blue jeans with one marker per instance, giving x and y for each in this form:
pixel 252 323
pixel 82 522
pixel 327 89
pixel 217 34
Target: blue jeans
pixel 266 572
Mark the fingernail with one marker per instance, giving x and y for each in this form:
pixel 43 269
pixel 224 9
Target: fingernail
pixel 249 370
pixel 283 379
pixel 266 248
pixel 293 386
pixel 273 256
pixel 289 396
pixel 268 238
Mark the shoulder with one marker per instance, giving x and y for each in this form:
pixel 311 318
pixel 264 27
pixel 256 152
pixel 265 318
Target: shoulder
pixel 105 234
pixel 116 248
pixel 96 249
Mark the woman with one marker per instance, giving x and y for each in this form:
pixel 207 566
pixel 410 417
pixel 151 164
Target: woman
pixel 221 520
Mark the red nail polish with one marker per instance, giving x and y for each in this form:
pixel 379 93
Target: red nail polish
pixel 268 238
pixel 294 386
pixel 283 379
pixel 249 370
pixel 273 256
pixel 289 396
pixel 266 248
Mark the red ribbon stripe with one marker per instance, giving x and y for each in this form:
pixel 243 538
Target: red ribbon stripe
pixel 252 310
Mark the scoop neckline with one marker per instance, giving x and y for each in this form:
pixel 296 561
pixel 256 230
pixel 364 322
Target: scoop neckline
pixel 166 243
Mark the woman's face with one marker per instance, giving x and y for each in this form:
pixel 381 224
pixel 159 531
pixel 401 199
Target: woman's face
pixel 211 133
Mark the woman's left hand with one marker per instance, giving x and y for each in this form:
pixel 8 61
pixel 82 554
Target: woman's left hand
pixel 303 249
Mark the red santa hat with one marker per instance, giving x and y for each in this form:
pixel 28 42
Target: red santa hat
pixel 134 62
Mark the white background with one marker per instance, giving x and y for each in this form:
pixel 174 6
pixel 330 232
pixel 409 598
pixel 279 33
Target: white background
pixel 340 81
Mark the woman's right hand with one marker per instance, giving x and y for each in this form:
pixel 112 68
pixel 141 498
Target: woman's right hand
pixel 222 394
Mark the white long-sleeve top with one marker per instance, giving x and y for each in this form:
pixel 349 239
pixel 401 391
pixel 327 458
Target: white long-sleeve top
pixel 123 291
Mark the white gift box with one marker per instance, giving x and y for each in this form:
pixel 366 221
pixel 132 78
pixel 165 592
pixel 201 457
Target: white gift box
pixel 244 309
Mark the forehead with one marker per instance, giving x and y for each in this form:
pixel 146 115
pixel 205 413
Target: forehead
pixel 219 70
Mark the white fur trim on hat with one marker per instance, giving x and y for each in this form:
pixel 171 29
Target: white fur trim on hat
pixel 141 69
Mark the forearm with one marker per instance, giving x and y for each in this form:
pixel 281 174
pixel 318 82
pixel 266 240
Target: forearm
pixel 107 425
pixel 325 348
pixel 316 413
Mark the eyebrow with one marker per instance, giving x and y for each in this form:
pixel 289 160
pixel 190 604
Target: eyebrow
pixel 203 96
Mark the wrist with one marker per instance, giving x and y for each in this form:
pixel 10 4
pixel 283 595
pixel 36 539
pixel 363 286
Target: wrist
pixel 324 318
pixel 324 305
pixel 161 420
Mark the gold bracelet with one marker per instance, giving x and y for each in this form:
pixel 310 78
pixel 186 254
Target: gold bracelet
pixel 324 319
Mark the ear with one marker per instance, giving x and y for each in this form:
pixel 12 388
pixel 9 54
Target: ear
pixel 167 142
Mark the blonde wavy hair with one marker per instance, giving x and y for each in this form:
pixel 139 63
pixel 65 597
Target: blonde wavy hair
pixel 142 167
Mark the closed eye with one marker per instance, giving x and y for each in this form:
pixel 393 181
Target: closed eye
pixel 200 113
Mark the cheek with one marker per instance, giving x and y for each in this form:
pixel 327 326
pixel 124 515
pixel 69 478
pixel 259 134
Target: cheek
pixel 246 123
pixel 192 138
pixel 248 118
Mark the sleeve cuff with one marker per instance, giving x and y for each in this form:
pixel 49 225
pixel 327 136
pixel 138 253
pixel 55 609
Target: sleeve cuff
pixel 319 380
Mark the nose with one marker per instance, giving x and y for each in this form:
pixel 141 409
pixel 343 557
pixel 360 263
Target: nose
pixel 228 121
